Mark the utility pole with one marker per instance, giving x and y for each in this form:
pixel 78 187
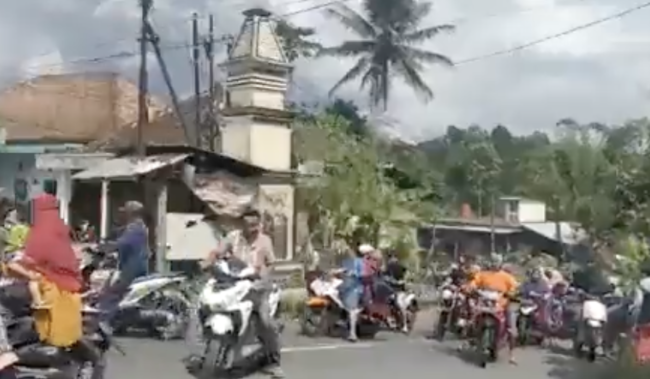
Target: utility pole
pixel 143 85
pixel 197 79
pixel 209 51
pixel 155 42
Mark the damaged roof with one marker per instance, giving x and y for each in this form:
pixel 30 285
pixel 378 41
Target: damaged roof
pixel 129 167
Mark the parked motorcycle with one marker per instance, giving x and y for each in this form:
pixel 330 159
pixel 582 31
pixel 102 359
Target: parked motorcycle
pixel 489 327
pixel 589 336
pixel 452 316
pixel 228 317
pixel 324 314
pixel 156 303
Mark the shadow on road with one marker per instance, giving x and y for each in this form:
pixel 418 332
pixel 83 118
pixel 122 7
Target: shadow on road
pixel 566 366
pixel 465 355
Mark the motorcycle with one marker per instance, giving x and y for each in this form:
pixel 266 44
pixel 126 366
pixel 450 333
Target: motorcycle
pixel 399 300
pixel 228 317
pixel 593 318
pixel 452 316
pixel 156 303
pixel 532 318
pixel 488 326
pixel 325 315
pixel 86 359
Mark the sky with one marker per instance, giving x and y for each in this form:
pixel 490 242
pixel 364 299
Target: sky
pixel 598 74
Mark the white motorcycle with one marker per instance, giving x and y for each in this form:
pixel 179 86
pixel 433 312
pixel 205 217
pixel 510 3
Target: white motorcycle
pixel 593 318
pixel 156 303
pixel 227 313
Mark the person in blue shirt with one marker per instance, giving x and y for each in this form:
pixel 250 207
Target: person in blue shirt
pixel 351 290
pixel 132 247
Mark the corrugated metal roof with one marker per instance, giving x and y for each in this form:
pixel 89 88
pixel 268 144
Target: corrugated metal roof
pixel 129 167
pixel 225 194
pixel 570 234
pixel 478 229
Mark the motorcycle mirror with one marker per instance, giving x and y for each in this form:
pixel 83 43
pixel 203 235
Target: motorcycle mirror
pixel 191 223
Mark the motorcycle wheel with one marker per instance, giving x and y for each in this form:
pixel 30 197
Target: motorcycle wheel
pixel 217 358
pixel 486 346
pixel 441 327
pixel 411 317
pixel 591 354
pixel 88 370
pixel 311 322
pixel 178 306
pixel 523 330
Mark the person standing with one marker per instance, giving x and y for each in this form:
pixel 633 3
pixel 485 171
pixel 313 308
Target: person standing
pixel 133 252
pixel 255 248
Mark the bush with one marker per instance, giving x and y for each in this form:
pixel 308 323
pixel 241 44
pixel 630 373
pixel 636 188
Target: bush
pixel 292 302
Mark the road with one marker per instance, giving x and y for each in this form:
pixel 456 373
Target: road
pixel 390 356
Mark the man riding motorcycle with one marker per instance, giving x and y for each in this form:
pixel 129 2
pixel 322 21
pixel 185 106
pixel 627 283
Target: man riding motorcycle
pixel 255 248
pixel 495 278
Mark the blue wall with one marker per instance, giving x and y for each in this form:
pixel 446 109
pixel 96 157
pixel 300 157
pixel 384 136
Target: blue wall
pixel 15 166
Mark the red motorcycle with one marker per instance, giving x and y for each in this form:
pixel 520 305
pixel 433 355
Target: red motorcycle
pixel 488 327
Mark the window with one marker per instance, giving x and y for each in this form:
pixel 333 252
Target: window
pixel 512 210
pixel 50 186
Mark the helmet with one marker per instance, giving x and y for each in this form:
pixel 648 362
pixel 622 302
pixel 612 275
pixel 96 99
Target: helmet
pixel 496 261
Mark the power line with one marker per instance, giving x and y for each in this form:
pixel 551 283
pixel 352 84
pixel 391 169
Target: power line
pixel 176 46
pixel 578 28
pixel 188 19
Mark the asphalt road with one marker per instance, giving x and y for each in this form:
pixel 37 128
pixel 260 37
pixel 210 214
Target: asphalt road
pixel 389 356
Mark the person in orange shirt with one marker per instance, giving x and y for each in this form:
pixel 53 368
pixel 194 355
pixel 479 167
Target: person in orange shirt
pixel 495 278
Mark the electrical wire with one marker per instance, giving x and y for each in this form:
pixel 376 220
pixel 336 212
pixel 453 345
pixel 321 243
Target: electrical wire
pixel 170 47
pixel 567 32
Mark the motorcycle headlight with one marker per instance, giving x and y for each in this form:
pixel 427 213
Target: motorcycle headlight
pixel 447 294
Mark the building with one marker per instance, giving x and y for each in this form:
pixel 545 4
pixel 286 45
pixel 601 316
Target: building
pixel 253 168
pixel 519 224
pixel 47 122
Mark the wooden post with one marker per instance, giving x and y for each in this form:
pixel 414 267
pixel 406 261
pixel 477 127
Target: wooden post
pixel 161 226
pixel 103 213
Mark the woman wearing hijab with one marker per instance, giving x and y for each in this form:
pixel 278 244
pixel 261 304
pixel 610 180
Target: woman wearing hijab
pixel 50 259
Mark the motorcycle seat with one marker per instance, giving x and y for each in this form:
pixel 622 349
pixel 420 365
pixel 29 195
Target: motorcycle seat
pixel 41 355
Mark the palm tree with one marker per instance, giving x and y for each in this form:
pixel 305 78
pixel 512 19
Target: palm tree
pixel 385 46
pixel 295 40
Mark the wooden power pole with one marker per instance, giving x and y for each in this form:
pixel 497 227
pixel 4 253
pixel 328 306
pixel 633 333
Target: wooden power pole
pixel 197 79
pixel 209 50
pixel 143 82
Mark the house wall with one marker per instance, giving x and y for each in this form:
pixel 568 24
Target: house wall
pixel 18 169
pixel 532 211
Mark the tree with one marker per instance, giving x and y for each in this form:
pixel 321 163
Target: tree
pixel 386 35
pixel 295 40
pixel 352 191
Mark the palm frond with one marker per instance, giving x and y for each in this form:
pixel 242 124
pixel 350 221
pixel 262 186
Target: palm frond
pixel 348 49
pixel 408 68
pixel 352 20
pixel 427 33
pixel 376 77
pixel 420 11
pixel 352 74
pixel 426 56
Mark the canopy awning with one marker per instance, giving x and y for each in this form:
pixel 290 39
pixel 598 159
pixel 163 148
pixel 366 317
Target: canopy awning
pixel 129 167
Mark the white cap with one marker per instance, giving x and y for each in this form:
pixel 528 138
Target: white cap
pixel 366 248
